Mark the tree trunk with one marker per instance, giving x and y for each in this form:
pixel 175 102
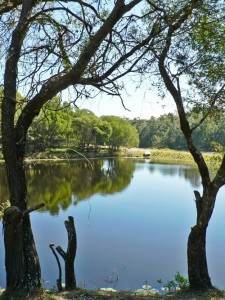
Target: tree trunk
pixel 197 263
pixel 21 260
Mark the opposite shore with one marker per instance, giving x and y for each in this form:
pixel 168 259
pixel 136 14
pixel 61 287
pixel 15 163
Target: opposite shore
pixel 156 155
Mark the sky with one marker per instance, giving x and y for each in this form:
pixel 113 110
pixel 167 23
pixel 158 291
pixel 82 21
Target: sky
pixel 141 103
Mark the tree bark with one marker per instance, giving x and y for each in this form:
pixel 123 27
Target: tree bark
pixel 22 264
pixel 197 263
pixel 21 260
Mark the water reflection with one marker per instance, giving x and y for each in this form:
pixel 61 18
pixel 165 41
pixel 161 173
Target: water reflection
pixel 189 173
pixel 137 230
pixel 57 185
pixel 106 177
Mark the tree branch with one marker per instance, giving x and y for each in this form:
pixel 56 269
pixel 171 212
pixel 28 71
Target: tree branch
pixel 31 209
pixel 215 97
pixel 59 280
pixel 66 78
pixel 176 94
pixel 8 6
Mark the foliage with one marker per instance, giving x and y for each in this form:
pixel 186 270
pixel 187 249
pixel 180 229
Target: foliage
pixel 123 134
pixel 58 125
pixel 89 129
pixel 179 282
pixel 3 206
pixel 164 132
pixel 52 127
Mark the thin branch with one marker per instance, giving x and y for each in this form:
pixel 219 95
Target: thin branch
pixel 69 77
pixel 213 102
pixel 31 209
pixel 59 280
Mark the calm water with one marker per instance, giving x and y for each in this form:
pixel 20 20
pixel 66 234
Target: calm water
pixel 132 221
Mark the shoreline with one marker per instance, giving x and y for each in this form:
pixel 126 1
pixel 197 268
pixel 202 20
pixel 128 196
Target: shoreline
pixel 82 294
pixel 157 155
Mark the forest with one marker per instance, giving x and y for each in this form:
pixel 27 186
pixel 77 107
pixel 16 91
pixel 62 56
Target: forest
pixel 59 125
pixel 165 132
pixel 80 129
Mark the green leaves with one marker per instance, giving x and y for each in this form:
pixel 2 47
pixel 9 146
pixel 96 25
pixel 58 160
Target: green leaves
pixel 179 282
pixel 123 133
pixel 52 128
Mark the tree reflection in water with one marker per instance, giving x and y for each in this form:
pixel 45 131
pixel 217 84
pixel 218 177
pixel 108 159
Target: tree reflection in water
pixel 189 173
pixel 58 184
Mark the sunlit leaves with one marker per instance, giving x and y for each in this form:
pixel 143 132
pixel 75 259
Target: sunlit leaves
pixel 123 134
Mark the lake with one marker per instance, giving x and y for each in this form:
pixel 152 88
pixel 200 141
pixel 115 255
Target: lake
pixel 132 220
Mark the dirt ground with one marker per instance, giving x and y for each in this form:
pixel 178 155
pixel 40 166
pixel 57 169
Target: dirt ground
pixel 117 295
pixel 95 295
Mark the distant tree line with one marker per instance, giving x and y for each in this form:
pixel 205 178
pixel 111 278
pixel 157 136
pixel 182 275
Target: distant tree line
pixel 82 129
pixel 164 132
pixel 78 128
pixel 59 125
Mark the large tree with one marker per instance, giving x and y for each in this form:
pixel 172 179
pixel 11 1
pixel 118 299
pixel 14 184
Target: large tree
pixel 48 46
pixel 191 63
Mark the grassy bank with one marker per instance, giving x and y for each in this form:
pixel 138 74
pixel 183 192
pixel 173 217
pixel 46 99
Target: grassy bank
pixel 167 155
pixel 157 155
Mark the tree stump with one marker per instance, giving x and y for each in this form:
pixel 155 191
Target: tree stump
pixel 69 256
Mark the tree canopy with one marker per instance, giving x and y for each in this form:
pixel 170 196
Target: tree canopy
pixel 58 125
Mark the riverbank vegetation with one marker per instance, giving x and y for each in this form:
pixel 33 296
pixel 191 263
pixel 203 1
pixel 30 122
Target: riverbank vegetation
pixel 80 294
pixel 59 126
pixel 156 155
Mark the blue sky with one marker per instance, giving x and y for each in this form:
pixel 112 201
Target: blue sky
pixel 142 103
